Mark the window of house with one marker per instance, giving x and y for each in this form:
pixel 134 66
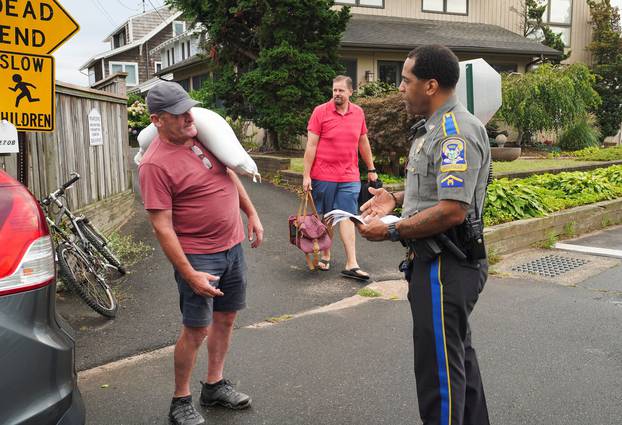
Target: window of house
pixel 390 72
pixel 558 15
pixel 119 39
pixel 157 66
pixel 362 3
pixel 179 27
pixel 91 76
pixel 188 48
pixel 183 51
pixel 197 81
pixel 351 69
pixel 504 67
pixel 185 84
pixel 172 61
pixel 456 7
pixel 130 67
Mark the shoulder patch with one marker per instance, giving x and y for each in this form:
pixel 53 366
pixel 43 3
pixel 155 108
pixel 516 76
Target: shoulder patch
pixel 452 181
pixel 450 125
pixel 453 155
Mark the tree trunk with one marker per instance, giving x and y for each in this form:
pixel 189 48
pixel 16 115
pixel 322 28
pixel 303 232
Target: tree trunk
pixel 270 141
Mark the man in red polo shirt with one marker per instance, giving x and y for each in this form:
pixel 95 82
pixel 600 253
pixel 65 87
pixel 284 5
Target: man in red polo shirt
pixel 336 134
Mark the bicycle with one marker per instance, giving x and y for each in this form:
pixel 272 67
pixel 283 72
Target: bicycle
pixel 82 256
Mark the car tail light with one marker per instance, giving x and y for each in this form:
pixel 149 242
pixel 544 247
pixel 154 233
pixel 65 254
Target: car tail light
pixel 26 251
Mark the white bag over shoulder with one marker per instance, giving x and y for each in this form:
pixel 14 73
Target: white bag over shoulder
pixel 217 136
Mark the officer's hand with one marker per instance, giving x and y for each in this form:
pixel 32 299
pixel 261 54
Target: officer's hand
pixel 306 184
pixel 199 282
pixel 380 205
pixel 373 231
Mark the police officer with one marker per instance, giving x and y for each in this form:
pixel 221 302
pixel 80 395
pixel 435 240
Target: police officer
pixel 447 174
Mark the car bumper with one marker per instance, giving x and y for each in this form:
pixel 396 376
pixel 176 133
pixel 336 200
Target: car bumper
pixel 76 414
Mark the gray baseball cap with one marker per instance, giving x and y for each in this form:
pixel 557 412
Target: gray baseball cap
pixel 169 97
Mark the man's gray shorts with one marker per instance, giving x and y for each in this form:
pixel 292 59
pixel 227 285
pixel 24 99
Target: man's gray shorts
pixel 230 266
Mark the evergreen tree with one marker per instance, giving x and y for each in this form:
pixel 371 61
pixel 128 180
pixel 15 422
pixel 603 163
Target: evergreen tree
pixel 272 61
pixel 606 47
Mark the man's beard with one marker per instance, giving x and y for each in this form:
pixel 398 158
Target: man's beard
pixel 338 100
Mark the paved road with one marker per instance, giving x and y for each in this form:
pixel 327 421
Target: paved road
pixel 549 355
pixel 279 283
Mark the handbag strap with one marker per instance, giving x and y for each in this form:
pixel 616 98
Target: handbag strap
pixel 310 198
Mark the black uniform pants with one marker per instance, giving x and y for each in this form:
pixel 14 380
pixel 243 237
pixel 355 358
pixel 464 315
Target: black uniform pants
pixel 442 294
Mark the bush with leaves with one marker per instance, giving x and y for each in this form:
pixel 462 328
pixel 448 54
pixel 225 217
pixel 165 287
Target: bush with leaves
pixel 581 134
pixel 375 89
pixel 137 115
pixel 598 154
pixel 548 98
pixel 388 127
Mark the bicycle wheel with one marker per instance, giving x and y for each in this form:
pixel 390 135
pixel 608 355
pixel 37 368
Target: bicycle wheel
pixel 101 245
pixel 79 274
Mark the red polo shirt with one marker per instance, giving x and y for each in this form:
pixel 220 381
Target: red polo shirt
pixel 336 158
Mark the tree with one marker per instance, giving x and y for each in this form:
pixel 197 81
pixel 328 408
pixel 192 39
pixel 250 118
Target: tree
pixel 533 26
pixel 606 47
pixel 273 61
pixel 549 98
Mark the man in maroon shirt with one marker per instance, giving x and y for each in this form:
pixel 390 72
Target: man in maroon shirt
pixel 336 134
pixel 193 202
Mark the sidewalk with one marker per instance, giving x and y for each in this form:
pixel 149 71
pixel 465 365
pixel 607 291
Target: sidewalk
pixel 549 355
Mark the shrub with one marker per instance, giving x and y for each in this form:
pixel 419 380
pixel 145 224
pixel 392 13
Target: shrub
pixel 137 117
pixel 375 89
pixel 549 98
pixel 581 134
pixel 388 125
pixel 599 154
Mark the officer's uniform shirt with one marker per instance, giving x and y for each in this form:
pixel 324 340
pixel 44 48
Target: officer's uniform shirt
pixel 449 159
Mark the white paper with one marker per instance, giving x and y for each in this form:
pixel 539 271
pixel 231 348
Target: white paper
pixel 95 128
pixel 8 138
pixel 338 215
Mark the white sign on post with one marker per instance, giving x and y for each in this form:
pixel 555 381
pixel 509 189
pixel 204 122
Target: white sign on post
pixel 95 128
pixel 479 88
pixel 8 138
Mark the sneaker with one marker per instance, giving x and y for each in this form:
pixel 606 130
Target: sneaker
pixel 183 413
pixel 224 394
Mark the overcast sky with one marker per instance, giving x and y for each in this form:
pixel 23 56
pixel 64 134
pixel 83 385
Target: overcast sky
pixel 97 19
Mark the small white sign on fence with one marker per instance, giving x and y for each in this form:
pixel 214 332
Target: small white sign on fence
pixel 8 138
pixel 95 128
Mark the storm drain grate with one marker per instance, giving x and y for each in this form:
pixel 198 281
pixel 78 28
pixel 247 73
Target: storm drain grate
pixel 550 265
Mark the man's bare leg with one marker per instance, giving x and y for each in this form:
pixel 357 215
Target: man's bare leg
pixel 185 355
pixel 218 340
pixel 348 237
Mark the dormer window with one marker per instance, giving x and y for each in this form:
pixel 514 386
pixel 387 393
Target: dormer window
pixel 179 27
pixel 118 39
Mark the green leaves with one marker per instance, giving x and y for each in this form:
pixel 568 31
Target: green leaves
pixel 539 195
pixel 548 98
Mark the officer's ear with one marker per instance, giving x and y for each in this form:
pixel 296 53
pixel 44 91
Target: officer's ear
pixel 431 87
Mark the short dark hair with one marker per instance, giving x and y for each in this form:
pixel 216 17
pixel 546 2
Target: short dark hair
pixel 437 62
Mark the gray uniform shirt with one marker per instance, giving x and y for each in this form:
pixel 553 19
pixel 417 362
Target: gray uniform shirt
pixel 449 159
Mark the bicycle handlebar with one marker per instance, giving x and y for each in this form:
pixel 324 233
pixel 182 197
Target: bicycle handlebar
pixel 75 177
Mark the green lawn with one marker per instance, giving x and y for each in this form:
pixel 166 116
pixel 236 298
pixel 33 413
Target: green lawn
pixel 502 167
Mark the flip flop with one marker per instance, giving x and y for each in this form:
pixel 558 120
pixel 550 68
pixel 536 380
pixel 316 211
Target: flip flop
pixel 354 274
pixel 326 264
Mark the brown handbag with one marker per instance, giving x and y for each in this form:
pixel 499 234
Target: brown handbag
pixel 308 233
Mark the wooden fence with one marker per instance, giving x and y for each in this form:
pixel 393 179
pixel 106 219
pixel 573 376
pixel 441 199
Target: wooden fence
pixel 104 169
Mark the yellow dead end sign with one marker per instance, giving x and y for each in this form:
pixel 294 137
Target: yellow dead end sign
pixel 34 26
pixel 27 91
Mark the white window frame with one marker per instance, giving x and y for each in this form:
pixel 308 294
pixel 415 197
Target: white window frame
pixel 444 11
pixel 357 3
pixel 92 76
pixel 179 22
pixel 547 20
pixel 124 65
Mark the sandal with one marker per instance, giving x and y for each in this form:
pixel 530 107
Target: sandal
pixel 355 273
pixel 325 264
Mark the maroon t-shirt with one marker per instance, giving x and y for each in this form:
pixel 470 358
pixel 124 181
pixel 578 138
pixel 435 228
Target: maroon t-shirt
pixel 204 201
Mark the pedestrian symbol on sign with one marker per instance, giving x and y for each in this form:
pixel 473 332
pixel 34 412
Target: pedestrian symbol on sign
pixel 23 87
